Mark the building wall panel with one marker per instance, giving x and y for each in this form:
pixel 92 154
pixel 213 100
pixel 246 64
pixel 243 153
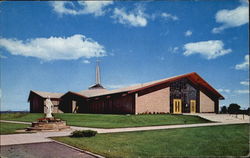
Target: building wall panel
pixel 116 104
pixel 206 103
pixel 156 101
pixel 36 104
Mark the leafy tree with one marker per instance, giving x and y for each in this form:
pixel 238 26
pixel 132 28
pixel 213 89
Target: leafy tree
pixel 233 108
pixel 223 110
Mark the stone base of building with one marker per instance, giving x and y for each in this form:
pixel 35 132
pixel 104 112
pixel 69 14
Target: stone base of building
pixel 48 124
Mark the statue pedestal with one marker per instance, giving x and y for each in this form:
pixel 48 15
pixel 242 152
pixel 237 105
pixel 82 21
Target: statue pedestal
pixel 48 124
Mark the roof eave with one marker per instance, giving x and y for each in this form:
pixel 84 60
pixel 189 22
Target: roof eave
pixel 70 92
pixel 161 82
pixel 221 97
pixel 177 78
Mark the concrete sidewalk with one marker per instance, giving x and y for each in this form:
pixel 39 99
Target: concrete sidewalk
pixel 223 117
pixel 44 136
pixel 18 122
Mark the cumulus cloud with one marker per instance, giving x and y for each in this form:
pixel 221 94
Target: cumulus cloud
pixel 244 91
pixel 245 83
pixel 244 65
pixel 173 49
pixel 231 18
pixel 169 16
pixel 241 91
pixel 55 48
pixel 224 90
pixel 86 61
pixel 81 7
pixel 208 49
pixel 188 33
pixel 136 18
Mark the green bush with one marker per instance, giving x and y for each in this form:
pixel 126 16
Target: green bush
pixel 83 133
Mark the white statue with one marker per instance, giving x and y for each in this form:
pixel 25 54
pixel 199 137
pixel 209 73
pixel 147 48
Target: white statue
pixel 49 106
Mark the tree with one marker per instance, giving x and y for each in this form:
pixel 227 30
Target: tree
pixel 233 108
pixel 223 110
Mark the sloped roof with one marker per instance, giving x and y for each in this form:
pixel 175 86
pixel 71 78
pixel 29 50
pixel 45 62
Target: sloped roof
pixel 194 77
pixel 46 94
pixel 99 92
pixel 96 86
pixel 93 92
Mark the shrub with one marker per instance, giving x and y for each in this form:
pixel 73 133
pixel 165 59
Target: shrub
pixel 89 133
pixel 77 134
pixel 223 110
pixel 83 133
pixel 233 108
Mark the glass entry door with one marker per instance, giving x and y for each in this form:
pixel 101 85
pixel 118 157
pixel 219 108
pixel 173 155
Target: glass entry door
pixel 177 106
pixel 192 106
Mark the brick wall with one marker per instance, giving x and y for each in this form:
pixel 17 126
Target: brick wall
pixel 157 101
pixel 206 104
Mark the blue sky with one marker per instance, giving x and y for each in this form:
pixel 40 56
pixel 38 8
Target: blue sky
pixel 53 46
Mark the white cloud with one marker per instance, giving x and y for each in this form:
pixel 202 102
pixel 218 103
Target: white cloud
pixel 224 90
pixel 231 18
pixel 173 49
pixel 55 48
pixel 188 33
pixel 244 65
pixel 245 83
pixel 208 49
pixel 136 18
pixel 84 7
pixel 169 16
pixel 86 61
pixel 244 91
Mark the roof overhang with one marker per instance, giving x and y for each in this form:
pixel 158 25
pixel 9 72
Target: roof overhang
pixel 74 93
pixel 191 76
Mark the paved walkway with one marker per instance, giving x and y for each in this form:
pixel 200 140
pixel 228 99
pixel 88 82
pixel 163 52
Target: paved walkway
pixel 12 139
pixel 223 117
pixel 18 122
pixel 43 150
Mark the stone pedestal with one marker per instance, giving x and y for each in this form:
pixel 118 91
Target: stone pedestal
pixel 50 124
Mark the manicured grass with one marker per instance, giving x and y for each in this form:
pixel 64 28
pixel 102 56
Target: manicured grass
pixel 25 117
pixel 228 140
pixel 112 121
pixel 118 121
pixel 10 128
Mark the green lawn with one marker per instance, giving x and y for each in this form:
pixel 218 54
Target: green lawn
pixel 116 121
pixel 112 121
pixel 25 117
pixel 228 140
pixel 10 128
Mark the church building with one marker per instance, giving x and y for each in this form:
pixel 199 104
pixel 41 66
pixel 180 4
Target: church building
pixel 188 93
